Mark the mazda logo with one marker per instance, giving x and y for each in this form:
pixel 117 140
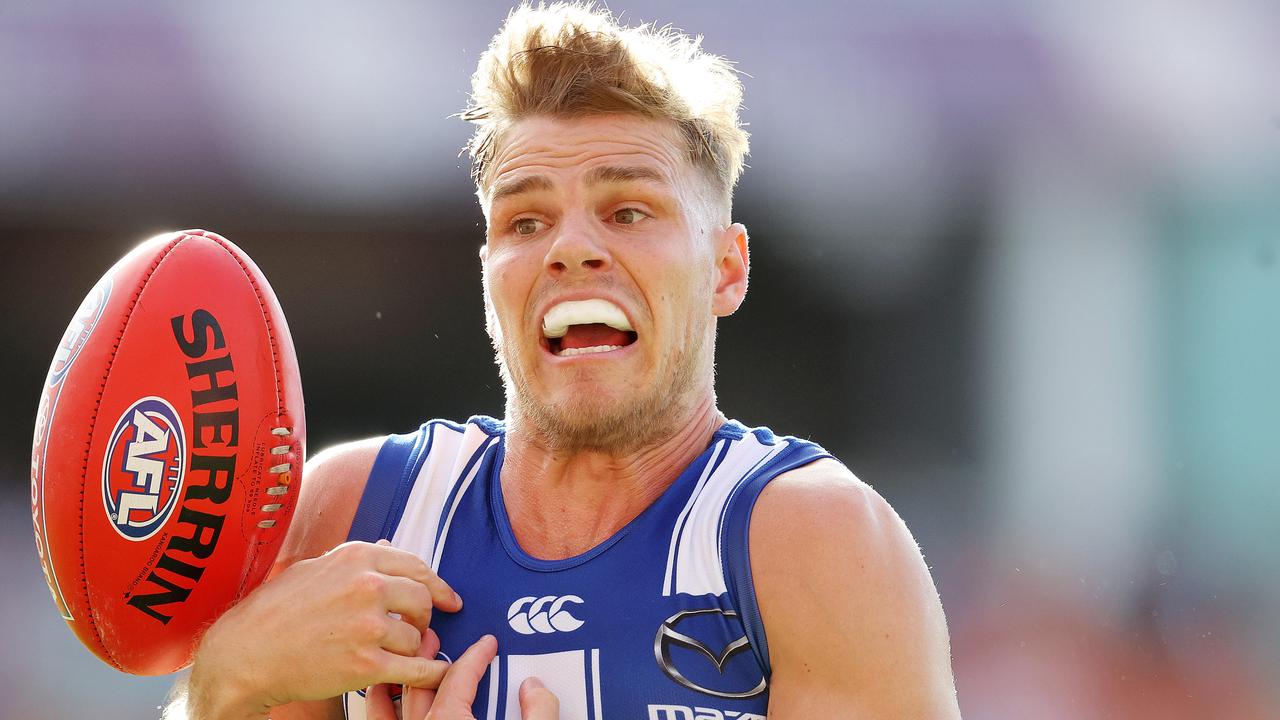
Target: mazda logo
pixel 669 635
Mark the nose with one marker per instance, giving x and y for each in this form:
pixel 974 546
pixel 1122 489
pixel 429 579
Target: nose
pixel 576 249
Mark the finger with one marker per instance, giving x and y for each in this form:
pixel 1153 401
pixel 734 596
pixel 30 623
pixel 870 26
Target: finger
pixel 394 561
pixel 458 689
pixel 537 702
pixel 401 638
pixel 378 704
pixel 430 644
pixel 415 671
pixel 408 598
pixel 416 702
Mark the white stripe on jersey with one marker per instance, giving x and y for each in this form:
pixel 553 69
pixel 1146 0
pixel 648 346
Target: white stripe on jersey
pixel 430 490
pixel 438 550
pixel 695 540
pixel 450 449
pixel 495 675
pixel 693 497
pixel 595 681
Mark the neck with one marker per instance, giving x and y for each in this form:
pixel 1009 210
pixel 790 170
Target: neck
pixel 564 502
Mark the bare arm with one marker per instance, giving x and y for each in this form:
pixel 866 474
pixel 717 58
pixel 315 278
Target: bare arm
pixel 853 621
pixel 333 482
pixel 320 624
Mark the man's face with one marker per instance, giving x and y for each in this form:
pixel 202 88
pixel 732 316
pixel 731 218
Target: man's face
pixel 604 269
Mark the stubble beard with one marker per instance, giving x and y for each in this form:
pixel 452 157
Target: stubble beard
pixel 604 424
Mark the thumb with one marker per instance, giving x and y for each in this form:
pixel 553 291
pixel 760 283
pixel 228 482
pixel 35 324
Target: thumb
pixel 537 702
pixel 457 691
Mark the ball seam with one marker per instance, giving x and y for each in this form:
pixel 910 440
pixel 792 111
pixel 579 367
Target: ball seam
pixel 278 378
pixel 93 421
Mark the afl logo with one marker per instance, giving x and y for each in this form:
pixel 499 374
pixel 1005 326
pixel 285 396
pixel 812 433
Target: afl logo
pixel 143 468
pixel 81 327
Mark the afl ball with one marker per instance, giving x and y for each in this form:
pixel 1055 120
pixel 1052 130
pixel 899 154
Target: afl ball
pixel 168 449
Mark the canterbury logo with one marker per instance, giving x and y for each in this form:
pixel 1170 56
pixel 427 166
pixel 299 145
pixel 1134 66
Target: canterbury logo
pixel 532 615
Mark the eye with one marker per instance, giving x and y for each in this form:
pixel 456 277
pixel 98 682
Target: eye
pixel 628 216
pixel 526 226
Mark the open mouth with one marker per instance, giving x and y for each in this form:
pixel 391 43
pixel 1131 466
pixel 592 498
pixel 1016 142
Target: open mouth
pixel 586 327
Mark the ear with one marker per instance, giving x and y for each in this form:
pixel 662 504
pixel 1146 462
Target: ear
pixel 733 265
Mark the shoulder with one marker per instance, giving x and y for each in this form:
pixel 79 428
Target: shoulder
pixel 840 521
pixel 332 484
pixel 825 490
pixel 850 611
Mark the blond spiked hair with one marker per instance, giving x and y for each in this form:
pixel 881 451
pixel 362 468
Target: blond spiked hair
pixel 574 60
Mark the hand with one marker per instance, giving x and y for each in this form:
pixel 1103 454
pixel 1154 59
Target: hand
pixel 322 627
pixel 414 701
pixel 457 691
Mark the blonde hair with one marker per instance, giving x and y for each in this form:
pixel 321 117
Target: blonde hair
pixel 574 60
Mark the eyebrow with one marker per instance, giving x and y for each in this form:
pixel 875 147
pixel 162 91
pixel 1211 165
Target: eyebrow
pixel 603 175
pixel 527 184
pixel 606 174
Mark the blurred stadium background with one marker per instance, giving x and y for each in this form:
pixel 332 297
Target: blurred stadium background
pixel 1018 264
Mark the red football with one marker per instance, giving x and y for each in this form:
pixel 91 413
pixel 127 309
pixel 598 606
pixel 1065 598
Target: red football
pixel 168 449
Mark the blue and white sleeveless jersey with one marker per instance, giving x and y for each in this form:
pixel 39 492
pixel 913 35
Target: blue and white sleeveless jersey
pixel 659 621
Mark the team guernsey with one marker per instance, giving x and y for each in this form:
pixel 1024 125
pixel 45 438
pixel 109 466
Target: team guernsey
pixel 659 621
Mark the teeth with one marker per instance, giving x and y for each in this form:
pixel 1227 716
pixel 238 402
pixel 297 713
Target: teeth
pixel 583 312
pixel 588 350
